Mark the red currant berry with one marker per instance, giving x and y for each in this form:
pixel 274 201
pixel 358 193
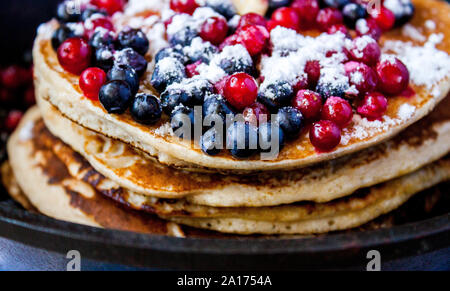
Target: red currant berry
pixel 251 19
pixel 312 69
pixel 111 6
pixel 255 38
pixel 368 27
pixel 338 28
pixel 309 103
pixel 383 17
pixel 92 24
pixel 337 110
pixel 191 69
pixel 6 96
pixel 230 41
pixel 374 106
pixel 74 55
pixel 13 120
pixel 300 84
pixel 214 30
pixel 328 17
pixel 91 80
pixel 366 50
pixel 12 77
pixel 393 76
pixel 307 11
pixel 241 90
pixel 361 76
pixel 325 135
pixel 256 113
pixel 286 17
pixel 219 87
pixel 183 6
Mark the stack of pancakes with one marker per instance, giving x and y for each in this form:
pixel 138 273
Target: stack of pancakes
pixel 71 160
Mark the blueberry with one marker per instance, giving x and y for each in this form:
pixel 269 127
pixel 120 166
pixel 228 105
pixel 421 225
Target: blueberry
pixel 275 4
pixel 68 12
pixel 402 9
pixel 167 71
pixel 200 50
pixel 135 39
pixel 276 95
pixel 171 52
pixel 336 3
pixel 265 137
pixel 146 109
pixel 182 37
pixel 89 12
pixel 60 35
pixel 226 8
pixel 326 90
pixel 102 38
pixel 211 142
pixel 352 12
pixel 170 99
pixel 215 105
pixel 182 117
pixel 190 92
pixel 130 57
pixel 127 74
pixel 115 96
pixel 104 58
pixel 290 120
pixel 242 139
pixel 235 59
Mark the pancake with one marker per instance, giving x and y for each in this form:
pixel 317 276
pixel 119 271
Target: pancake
pixel 61 184
pixel 61 89
pixel 417 146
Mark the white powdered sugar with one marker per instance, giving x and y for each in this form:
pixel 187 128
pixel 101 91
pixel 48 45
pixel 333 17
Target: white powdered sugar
pixel 136 6
pixel 212 73
pixel 361 26
pixel 164 130
pixel 169 65
pixel 426 64
pixel 194 22
pixel 406 111
pixel 363 128
pixel 430 24
pixel 357 47
pixel 412 32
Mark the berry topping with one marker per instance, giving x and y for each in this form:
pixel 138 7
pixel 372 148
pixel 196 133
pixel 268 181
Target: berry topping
pixel 241 90
pixel 111 6
pixel 214 30
pixel 215 107
pixel 13 119
pixel 352 12
pixel 90 11
pixel 325 135
pixel 393 76
pixel 171 52
pixel 327 17
pixel 402 9
pixel 183 6
pixel 200 50
pixel 383 17
pixel 60 35
pixel 256 113
pixel 366 50
pixel 182 37
pixel 67 12
pixel 191 69
pixel 276 95
pixel 338 28
pixel 146 109
pixel 290 120
pixel 127 74
pixel 307 11
pixel 312 69
pixel 252 19
pixel 92 24
pixel 337 110
pixel 130 57
pixel 368 27
pixel 91 80
pixel 242 139
pixel 361 76
pixel 74 55
pixel 374 106
pixel 225 7
pixel 182 118
pixel 309 103
pixel 268 134
pixel 115 96
pixel 286 17
pixel 102 38
pixel 336 3
pixel 135 39
pixel 235 59
pixel 104 58
pixel 211 142
pixel 254 37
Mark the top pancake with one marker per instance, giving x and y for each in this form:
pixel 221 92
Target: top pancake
pixel 62 90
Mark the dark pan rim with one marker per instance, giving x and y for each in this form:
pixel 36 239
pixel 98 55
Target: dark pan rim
pixel 34 224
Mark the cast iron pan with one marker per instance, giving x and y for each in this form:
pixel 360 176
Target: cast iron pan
pixel 413 236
